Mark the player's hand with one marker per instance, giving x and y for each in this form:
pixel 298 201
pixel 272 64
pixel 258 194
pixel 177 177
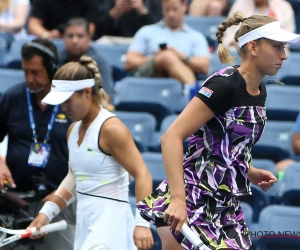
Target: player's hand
pixel 176 214
pixel 5 175
pixel 261 178
pixel 143 238
pixel 38 222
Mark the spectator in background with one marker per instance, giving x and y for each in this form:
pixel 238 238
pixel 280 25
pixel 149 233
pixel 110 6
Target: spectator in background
pixel 13 15
pixel 27 123
pixel 77 43
pixel 282 165
pixel 169 48
pixel 208 8
pixel 48 17
pixel 281 10
pixel 121 19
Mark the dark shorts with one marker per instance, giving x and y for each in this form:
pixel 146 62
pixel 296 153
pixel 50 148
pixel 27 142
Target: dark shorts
pixel 146 70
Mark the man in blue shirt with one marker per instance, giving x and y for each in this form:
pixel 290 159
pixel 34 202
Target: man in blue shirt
pixel 37 154
pixel 169 48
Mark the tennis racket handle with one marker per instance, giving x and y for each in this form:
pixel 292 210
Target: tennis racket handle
pixel 56 226
pixel 192 237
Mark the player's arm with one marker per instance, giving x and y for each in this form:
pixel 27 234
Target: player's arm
pixel 116 140
pixel 64 195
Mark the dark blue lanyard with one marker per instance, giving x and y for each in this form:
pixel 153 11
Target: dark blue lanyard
pixel 32 123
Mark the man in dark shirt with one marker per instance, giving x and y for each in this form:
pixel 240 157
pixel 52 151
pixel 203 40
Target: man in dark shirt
pixel 77 43
pixel 124 18
pixel 48 17
pixel 37 154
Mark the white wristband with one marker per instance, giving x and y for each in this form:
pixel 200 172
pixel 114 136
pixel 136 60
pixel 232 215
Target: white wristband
pixel 50 209
pixel 139 220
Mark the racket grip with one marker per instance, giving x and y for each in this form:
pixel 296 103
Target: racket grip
pixel 193 238
pixel 56 226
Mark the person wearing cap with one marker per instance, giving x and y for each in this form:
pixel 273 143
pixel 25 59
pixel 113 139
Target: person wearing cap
pixel 101 154
pixel 224 120
pixel 37 153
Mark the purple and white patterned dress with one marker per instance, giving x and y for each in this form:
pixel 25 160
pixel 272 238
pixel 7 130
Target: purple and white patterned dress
pixel 216 164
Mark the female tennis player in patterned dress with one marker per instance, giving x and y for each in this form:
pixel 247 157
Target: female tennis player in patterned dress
pixel 224 121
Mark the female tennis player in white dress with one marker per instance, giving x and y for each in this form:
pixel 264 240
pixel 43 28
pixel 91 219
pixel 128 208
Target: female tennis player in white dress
pixel 101 154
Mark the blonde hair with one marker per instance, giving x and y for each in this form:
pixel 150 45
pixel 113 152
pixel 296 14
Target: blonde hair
pixel 248 24
pixel 4 5
pixel 85 68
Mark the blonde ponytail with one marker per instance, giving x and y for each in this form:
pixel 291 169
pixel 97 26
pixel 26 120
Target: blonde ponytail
pixel 224 53
pixel 91 65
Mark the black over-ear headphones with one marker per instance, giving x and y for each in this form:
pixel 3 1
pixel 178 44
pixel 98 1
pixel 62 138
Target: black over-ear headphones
pixel 51 64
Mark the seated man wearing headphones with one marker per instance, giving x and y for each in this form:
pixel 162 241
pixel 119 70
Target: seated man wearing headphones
pixel 32 162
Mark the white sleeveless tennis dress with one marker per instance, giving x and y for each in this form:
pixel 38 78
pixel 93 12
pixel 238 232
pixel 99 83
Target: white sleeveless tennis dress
pixel 104 218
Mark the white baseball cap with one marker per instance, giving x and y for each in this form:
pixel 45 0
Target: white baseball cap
pixel 273 31
pixel 61 90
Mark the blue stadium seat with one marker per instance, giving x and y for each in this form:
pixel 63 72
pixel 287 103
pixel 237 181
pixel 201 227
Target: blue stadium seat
pixel 216 65
pixel 291 185
pixel 273 153
pixel 207 25
pixel 258 200
pixel 115 56
pixel 141 125
pixel 3 51
pixel 275 220
pixel 264 164
pixel 10 77
pixel 165 124
pixel 279 134
pixel 155 165
pixel 159 96
pixel 14 54
pixel 60 45
pixel 289 67
pixel 248 213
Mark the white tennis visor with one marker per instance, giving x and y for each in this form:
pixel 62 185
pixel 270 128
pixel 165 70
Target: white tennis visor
pixel 273 31
pixel 62 90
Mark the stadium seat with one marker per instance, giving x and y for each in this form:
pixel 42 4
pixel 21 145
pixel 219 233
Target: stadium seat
pixel 291 186
pixel 141 125
pixel 60 45
pixel 165 124
pixel 289 67
pixel 273 153
pixel 216 65
pixel 10 77
pixel 248 213
pixel 264 164
pixel 281 224
pixel 159 96
pixel 3 51
pixel 206 25
pixel 115 56
pixel 279 134
pixel 155 166
pixel 258 200
pixel 14 53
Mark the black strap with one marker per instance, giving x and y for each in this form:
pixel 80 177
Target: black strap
pixel 103 197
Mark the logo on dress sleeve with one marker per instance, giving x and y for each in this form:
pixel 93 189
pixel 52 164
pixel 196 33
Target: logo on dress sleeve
pixel 205 91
